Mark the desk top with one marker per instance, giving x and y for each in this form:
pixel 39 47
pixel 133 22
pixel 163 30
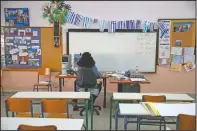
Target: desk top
pixel 9 123
pixel 138 96
pixel 163 108
pixel 58 75
pixel 115 80
pixel 53 95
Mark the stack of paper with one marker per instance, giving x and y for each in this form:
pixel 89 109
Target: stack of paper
pixel 137 79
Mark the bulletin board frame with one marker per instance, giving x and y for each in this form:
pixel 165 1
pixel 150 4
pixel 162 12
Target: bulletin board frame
pixel 22 47
pixel 176 36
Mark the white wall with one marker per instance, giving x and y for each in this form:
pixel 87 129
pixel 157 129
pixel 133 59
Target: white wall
pixel 109 10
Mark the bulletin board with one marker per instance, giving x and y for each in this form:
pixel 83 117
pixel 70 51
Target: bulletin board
pixel 51 56
pixel 22 47
pixel 181 43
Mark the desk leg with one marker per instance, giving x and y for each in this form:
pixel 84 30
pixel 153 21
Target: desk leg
pixel 120 87
pixel 91 110
pixel 86 107
pixel 116 115
pixel 63 81
pixel 105 86
pixel 110 113
pixel 60 84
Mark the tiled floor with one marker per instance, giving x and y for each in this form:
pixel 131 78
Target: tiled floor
pixel 100 122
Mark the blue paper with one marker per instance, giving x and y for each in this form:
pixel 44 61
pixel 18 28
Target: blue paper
pixel 177 59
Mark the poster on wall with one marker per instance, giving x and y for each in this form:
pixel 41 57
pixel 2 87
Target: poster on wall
pixel 23 48
pixel 16 16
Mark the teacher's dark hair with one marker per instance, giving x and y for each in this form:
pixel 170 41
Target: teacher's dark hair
pixel 86 60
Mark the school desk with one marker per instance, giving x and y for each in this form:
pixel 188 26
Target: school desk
pixel 170 97
pixel 60 95
pixel 12 123
pixel 163 109
pixel 62 77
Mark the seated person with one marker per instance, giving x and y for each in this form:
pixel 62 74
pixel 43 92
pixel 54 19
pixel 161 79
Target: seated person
pixel 87 75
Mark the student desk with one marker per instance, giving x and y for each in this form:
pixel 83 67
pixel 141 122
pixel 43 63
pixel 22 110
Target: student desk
pixel 9 123
pixel 59 95
pixel 163 108
pixel 116 97
pixel 62 77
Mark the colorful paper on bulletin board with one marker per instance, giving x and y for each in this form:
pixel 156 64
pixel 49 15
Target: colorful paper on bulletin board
pixel 189 58
pixel 164 37
pixel 176 67
pixel 176 50
pixel 164 62
pixel 16 16
pixel 177 59
pixel 182 26
pixel 188 50
pixel 190 66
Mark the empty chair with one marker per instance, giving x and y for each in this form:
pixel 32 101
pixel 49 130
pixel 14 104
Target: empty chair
pixel 45 72
pixel 55 108
pixel 39 128
pixel 20 107
pixel 156 99
pixel 186 122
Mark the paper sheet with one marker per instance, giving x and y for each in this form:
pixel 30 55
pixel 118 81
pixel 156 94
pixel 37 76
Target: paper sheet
pixel 35 33
pixel 137 79
pixel 164 51
pixel 189 51
pixel 189 66
pixel 14 57
pixel 177 59
pixel 13 51
pixel 34 41
pixel 176 51
pixel 176 67
pixel 189 58
pixel 164 62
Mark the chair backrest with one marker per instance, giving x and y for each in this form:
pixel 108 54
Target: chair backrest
pixel 54 106
pixel 33 128
pixel 186 122
pixel 18 105
pixel 44 72
pixel 148 98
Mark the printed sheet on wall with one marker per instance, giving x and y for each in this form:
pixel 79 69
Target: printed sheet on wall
pixel 16 16
pixel 22 47
pixel 164 43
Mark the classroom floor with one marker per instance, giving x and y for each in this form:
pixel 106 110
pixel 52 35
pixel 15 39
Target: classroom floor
pixel 100 122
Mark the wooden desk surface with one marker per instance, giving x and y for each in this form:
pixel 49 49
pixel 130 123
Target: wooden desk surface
pixel 116 81
pixel 9 123
pixel 58 75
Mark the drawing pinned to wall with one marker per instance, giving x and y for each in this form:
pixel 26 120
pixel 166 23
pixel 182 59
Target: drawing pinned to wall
pixel 164 51
pixel 188 50
pixel 164 62
pixel 178 43
pixel 176 51
pixel 19 48
pixel 176 67
pixel 177 59
pixel 189 58
pixel 16 16
pixel 190 66
pixel 182 26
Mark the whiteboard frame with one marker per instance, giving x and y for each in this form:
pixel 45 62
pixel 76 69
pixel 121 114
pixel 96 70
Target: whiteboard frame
pixel 119 31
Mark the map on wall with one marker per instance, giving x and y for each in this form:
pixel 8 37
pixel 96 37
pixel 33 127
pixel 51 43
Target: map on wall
pixel 16 16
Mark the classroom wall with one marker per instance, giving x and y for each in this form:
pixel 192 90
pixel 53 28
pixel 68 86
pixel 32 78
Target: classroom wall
pixel 163 81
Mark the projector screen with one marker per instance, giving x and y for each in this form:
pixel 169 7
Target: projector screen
pixel 120 51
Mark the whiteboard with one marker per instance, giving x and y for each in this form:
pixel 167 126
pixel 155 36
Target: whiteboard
pixel 120 51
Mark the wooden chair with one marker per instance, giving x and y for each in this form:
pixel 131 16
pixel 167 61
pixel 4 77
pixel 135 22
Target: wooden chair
pixel 186 122
pixel 39 128
pixel 43 84
pixel 156 99
pixel 55 108
pixel 20 108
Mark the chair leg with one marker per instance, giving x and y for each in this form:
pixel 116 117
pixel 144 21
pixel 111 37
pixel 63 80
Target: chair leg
pixel 99 107
pixel 37 88
pixel 33 88
pixel 81 112
pixel 97 112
